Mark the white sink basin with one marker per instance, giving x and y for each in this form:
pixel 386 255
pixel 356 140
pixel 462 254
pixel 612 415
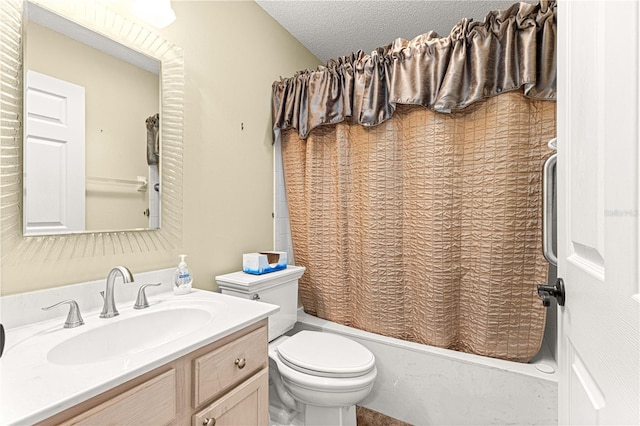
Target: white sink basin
pixel 46 368
pixel 119 338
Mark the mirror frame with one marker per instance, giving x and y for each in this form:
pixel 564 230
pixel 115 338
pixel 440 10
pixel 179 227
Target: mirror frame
pixel 17 248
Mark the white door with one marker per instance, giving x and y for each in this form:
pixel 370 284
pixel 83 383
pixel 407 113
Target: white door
pixel 54 147
pixel 598 118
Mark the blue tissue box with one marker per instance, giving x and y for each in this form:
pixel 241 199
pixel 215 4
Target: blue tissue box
pixel 264 262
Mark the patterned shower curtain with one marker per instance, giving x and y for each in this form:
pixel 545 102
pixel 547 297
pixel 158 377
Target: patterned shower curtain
pixel 424 225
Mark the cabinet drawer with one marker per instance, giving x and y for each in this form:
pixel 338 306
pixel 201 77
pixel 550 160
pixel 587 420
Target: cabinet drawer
pixel 229 365
pixel 150 403
pixel 247 404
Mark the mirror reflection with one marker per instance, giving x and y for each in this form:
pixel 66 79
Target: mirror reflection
pixel 91 130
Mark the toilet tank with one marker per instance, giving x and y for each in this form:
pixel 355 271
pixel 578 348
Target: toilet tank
pixel 278 288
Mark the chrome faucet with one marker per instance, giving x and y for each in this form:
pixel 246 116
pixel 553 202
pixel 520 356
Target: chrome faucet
pixel 109 308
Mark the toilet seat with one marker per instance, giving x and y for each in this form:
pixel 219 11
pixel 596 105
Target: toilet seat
pixel 325 355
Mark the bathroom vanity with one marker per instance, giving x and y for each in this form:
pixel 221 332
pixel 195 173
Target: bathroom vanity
pixel 197 359
pixel 226 381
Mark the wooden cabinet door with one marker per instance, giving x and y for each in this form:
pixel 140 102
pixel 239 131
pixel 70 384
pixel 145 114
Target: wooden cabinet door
pixel 150 403
pixel 221 369
pixel 247 404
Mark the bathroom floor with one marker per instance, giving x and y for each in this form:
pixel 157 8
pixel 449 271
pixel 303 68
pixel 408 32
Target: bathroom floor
pixel 366 417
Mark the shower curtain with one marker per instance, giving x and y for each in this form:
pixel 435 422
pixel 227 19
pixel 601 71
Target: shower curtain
pixel 153 139
pixel 425 223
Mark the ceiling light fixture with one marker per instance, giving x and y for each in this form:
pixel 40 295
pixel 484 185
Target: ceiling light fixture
pixel 155 12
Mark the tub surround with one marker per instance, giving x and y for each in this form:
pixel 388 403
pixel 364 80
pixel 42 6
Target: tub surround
pixel 34 388
pixel 421 384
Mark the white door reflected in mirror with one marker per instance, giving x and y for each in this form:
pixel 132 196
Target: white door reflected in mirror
pixel 54 178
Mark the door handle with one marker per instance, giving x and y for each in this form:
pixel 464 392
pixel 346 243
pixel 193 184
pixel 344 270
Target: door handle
pixel 546 292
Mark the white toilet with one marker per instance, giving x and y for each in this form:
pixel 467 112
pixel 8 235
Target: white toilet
pixel 315 378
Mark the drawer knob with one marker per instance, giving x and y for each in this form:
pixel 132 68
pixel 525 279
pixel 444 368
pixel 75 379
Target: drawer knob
pixel 209 422
pixel 241 362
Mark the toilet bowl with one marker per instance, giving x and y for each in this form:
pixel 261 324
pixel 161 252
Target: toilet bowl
pixel 325 374
pixel 315 378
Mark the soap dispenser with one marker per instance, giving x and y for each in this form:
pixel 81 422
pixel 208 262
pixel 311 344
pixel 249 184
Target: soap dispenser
pixel 182 278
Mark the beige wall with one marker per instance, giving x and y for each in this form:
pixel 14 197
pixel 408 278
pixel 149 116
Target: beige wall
pixel 118 98
pixel 233 52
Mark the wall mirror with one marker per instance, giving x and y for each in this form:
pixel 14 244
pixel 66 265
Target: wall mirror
pixel 91 130
pixel 113 181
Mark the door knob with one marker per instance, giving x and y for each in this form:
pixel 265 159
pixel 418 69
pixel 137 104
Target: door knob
pixel 546 292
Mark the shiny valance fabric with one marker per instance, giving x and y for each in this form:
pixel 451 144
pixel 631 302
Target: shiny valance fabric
pixel 512 49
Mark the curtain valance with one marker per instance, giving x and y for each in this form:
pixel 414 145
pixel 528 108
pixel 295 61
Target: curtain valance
pixel 509 50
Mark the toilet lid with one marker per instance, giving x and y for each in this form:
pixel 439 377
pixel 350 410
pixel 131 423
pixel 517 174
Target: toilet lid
pixel 325 355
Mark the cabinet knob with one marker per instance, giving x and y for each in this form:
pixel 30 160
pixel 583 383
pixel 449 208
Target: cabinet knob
pixel 209 422
pixel 241 362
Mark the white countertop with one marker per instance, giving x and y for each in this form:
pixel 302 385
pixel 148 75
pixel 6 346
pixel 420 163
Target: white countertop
pixel 32 388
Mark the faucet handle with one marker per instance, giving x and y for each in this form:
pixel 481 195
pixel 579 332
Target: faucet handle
pixel 141 301
pixel 74 319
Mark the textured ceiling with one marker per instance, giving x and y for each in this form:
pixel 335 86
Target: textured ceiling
pixel 334 28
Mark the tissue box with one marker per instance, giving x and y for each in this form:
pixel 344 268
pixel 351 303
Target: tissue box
pixel 264 262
